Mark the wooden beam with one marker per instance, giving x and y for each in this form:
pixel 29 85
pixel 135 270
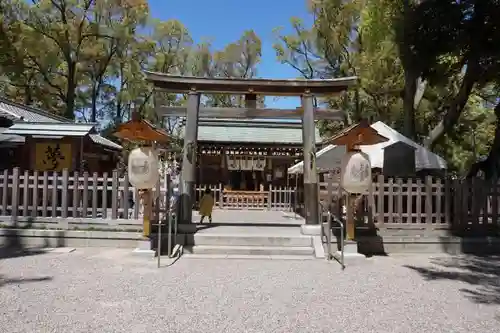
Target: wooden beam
pixel 249 113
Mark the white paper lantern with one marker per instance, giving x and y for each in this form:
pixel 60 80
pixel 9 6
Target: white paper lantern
pixel 143 168
pixel 356 172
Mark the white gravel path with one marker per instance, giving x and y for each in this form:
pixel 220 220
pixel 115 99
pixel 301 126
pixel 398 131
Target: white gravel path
pixel 107 290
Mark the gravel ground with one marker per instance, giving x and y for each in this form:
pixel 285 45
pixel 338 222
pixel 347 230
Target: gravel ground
pixel 107 290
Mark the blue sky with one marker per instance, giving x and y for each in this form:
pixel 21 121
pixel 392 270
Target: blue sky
pixel 224 21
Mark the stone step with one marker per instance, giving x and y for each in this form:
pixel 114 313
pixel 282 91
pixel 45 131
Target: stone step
pixel 249 240
pixel 250 250
pixel 247 256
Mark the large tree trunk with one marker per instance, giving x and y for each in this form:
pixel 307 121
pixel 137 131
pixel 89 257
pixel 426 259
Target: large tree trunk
pixel 413 94
pixel 455 108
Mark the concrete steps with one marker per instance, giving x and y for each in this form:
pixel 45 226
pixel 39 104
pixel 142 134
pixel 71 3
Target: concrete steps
pixel 250 250
pixel 252 242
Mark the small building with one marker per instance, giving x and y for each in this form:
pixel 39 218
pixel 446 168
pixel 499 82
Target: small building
pixel 397 157
pixel 34 139
pixel 247 155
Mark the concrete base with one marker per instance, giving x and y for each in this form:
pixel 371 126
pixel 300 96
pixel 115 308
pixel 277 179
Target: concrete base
pixel 350 258
pixel 351 255
pixel 311 229
pixel 186 228
pixel 144 249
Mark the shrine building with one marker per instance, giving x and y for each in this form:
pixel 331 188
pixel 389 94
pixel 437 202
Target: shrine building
pixel 248 154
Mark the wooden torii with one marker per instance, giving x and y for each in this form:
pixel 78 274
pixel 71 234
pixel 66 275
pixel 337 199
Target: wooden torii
pixel 250 88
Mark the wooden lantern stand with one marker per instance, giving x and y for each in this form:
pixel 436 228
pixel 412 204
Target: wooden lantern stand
pixel 361 134
pixel 143 133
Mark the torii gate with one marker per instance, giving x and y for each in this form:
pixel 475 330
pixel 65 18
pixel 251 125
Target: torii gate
pixel 250 88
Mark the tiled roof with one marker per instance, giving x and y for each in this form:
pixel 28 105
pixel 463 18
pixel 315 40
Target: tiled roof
pixel 33 121
pixel 251 131
pixel 15 111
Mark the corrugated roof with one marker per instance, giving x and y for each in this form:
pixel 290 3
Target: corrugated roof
pixel 104 142
pixel 424 159
pixel 17 111
pixel 50 129
pixel 263 131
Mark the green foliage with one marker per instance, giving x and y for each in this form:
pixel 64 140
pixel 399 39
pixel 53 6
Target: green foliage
pixel 380 41
pixel 84 58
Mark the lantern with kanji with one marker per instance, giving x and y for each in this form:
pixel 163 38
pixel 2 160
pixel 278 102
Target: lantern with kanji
pixel 356 172
pixel 143 170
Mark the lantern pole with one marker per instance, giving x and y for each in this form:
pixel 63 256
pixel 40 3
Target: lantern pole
pixel 350 224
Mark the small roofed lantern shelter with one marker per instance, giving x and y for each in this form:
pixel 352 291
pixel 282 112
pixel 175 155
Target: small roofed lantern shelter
pixel 361 134
pixel 143 161
pixel 250 88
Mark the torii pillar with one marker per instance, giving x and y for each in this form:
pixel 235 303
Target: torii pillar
pixel 188 172
pixel 311 200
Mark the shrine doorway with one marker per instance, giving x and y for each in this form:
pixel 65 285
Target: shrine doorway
pixel 245 180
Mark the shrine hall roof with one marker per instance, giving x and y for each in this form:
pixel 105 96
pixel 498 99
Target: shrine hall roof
pixel 251 131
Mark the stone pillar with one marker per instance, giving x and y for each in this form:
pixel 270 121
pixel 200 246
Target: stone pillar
pixel 188 172
pixel 312 226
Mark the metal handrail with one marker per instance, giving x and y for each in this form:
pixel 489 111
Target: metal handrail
pixel 329 239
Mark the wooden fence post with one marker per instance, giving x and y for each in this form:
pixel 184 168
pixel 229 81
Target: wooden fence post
pixel 94 195
pixel 104 210
pixel 15 195
pixel 409 200
pixel 85 194
pixel 114 195
pixel 34 207
pixel 64 197
pixel 26 189
pixel 45 193
pixel 399 200
pixel 76 193
pixel 221 196
pixel 428 202
pixel 5 192
pixel 55 182
pixel 380 201
pixel 418 201
pixel 126 198
pixel 270 197
pixel 391 200
pixel 439 196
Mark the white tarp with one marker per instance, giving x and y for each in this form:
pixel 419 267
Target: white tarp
pixel 328 158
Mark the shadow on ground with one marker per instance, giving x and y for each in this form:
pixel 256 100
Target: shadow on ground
pixel 13 246
pixel 480 273
pixel 5 281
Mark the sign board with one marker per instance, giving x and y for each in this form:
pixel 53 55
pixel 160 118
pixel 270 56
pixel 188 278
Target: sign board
pixel 53 156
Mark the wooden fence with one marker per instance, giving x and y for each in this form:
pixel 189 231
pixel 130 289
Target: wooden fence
pixel 422 203
pixel 275 198
pixel 73 200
